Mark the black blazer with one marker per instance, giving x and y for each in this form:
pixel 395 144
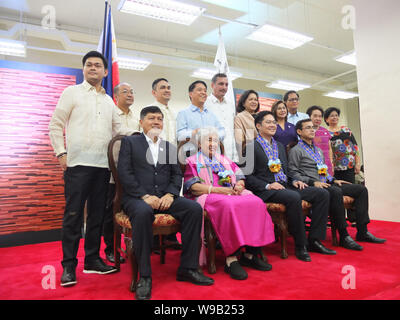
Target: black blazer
pixel 139 176
pixel 260 176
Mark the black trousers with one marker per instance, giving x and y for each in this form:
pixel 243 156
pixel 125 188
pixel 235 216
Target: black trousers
pixel 83 183
pixel 291 198
pixel 108 222
pixel 190 215
pixel 346 175
pixel 337 210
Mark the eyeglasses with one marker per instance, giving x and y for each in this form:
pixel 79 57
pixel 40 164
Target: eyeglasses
pixel 294 99
pixel 270 122
pixel 309 128
pixel 127 91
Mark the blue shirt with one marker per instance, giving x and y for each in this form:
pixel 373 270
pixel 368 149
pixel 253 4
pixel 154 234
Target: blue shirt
pixel 192 118
pixel 294 118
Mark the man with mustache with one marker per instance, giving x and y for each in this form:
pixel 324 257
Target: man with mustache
pixel 307 164
pixel 151 179
pixel 225 112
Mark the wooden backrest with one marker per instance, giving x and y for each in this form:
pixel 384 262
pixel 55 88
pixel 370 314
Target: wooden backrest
pixel 112 154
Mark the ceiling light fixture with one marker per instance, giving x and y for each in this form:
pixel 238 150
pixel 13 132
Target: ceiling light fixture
pixel 280 37
pixel 166 10
pixel 130 63
pixel 349 58
pixel 206 73
pixel 341 94
pixel 287 85
pixel 13 47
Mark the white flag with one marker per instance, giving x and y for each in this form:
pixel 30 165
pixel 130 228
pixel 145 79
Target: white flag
pixel 221 63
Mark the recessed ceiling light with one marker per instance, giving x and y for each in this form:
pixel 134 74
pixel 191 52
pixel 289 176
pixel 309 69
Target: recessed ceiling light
pixel 280 37
pixel 341 94
pixel 166 10
pixel 138 64
pixel 287 85
pixel 13 47
pixel 349 58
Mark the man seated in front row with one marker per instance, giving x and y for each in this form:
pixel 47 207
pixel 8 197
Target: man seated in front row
pixel 306 164
pixel 151 180
pixel 268 180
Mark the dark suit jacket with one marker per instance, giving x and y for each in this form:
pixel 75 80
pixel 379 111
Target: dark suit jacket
pixel 261 175
pixel 139 176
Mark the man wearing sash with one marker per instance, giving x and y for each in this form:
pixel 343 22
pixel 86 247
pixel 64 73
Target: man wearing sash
pixel 306 164
pixel 269 181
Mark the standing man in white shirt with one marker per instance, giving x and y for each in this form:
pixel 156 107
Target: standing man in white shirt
pixel 89 118
pixel 161 91
pixel 123 94
pixel 225 112
pixel 292 98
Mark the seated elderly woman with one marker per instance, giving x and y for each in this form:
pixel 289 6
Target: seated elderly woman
pixel 240 219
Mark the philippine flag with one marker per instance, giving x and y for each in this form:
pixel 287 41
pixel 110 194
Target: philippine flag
pixel 108 47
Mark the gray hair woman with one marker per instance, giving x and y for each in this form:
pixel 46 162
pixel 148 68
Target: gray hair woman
pixel 239 218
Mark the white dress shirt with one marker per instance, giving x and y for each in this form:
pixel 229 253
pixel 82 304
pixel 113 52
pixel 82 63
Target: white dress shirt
pixel 90 120
pixel 225 114
pixel 154 148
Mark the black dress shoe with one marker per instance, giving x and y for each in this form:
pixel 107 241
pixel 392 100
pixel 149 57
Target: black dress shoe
pixel 369 237
pixel 255 262
pixel 111 258
pixel 348 243
pixel 236 271
pixel 68 277
pixel 98 266
pixel 143 289
pixel 302 254
pixel 316 246
pixel 194 276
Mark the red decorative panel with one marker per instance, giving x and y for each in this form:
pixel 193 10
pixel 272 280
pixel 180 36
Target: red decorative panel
pixel 31 182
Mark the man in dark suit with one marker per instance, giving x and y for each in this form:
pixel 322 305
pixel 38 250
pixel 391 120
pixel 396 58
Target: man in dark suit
pixel 268 179
pixel 151 180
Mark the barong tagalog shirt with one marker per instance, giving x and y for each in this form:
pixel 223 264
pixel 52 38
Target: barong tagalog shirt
pixel 169 122
pixel 90 119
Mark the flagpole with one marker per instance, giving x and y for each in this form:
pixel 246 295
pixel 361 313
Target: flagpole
pixel 105 26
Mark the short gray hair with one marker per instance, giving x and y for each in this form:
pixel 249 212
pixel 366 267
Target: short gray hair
pixel 116 88
pixel 205 132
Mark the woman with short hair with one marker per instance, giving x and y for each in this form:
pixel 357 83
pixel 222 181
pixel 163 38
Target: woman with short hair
pixel 239 218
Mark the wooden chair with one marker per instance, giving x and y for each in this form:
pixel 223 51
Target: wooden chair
pixel 164 224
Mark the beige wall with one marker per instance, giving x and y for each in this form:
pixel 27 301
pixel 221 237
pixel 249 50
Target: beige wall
pixel 377 48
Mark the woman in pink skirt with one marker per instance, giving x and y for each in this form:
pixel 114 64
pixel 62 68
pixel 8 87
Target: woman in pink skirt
pixel 240 219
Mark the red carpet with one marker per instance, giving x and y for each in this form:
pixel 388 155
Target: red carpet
pixel 377 275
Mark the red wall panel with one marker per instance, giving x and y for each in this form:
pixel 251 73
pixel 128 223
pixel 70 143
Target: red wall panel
pixel 31 184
